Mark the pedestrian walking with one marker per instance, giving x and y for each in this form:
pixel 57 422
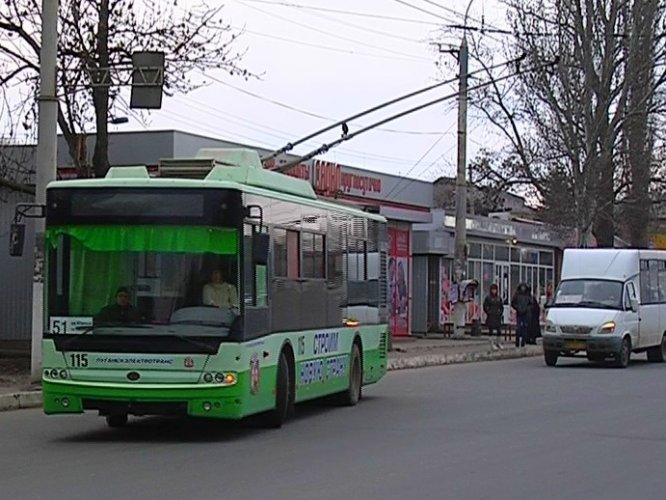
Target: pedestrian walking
pixel 521 303
pixel 534 321
pixel 494 309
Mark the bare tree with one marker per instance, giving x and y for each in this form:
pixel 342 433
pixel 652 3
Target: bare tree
pixel 564 125
pixel 641 52
pixel 16 156
pixel 95 35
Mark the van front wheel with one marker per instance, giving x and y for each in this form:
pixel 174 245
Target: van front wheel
pixel 657 354
pixel 550 357
pixel 622 357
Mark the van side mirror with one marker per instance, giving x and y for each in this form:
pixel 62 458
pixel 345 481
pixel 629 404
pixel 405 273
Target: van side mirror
pixel 634 304
pixel 16 239
pixel 260 245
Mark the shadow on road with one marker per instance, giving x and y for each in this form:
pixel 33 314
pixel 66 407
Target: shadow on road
pixel 582 364
pixel 189 430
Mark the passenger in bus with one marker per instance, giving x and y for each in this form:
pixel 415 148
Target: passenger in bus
pixel 219 293
pixel 121 311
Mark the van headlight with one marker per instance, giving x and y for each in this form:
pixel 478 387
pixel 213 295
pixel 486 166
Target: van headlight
pixel 607 327
pixel 550 327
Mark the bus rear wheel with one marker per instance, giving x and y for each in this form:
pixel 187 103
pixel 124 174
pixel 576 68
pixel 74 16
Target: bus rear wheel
pixel 116 420
pixel 353 394
pixel 283 399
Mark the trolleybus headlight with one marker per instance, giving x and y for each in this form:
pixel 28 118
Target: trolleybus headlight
pixel 219 378
pixel 54 373
pixel 47 373
pixel 63 373
pixel 230 378
pixel 208 377
pixel 65 402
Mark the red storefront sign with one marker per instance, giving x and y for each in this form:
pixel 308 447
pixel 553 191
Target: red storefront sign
pixel 331 179
pixel 398 277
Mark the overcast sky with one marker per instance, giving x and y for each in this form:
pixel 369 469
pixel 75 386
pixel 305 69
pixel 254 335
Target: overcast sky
pixel 333 59
pixel 334 64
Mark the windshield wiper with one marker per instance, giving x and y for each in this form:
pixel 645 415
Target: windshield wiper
pixel 196 322
pixel 209 349
pixel 92 328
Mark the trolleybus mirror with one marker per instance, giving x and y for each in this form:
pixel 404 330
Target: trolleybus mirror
pixel 16 239
pixel 260 245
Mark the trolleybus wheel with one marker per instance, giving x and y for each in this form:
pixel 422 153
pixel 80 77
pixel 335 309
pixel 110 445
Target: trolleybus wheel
pixel 283 401
pixel 353 394
pixel 116 420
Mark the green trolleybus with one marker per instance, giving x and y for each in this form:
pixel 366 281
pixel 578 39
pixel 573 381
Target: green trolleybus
pixel 226 294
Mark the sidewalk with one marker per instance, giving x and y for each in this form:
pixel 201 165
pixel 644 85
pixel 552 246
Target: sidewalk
pixel 17 392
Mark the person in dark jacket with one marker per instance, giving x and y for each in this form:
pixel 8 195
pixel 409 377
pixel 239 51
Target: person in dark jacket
pixel 522 303
pixel 534 321
pixel 122 311
pixel 494 309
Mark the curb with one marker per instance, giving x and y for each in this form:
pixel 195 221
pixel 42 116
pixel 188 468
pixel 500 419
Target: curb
pixel 33 399
pixel 462 357
pixel 20 400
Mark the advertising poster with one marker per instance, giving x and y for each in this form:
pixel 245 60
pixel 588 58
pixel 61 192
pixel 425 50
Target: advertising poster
pixel 445 293
pixel 398 275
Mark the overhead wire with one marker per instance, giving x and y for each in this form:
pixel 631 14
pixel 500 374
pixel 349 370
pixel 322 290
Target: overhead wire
pixel 337 49
pixel 333 35
pixel 343 122
pixel 302 111
pixel 409 181
pixel 344 12
pixel 280 134
pixel 326 147
pixel 422 10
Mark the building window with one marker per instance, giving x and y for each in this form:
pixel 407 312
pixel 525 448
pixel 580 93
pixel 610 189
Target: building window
pixel 546 258
pixel 474 251
pixel 502 253
pixel 488 252
pixel 515 254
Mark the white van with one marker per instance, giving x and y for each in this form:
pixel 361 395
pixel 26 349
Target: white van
pixel 609 303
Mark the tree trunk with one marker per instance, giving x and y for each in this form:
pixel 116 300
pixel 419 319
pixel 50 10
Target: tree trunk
pixel 639 135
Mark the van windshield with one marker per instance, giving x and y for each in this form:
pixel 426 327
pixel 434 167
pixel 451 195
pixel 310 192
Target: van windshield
pixel 599 294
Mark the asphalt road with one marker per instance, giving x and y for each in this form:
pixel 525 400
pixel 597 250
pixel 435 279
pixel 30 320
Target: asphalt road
pixel 501 430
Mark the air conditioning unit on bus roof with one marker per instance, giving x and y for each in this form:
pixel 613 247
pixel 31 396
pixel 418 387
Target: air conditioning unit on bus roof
pixel 206 159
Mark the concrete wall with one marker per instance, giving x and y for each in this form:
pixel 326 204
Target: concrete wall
pixel 15 274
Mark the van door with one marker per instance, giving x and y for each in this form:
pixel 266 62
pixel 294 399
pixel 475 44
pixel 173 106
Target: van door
pixel 631 319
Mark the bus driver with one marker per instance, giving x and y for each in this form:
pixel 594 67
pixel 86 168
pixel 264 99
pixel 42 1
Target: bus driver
pixel 219 293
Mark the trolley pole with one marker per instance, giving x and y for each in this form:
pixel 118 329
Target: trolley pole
pixel 460 252
pixel 46 163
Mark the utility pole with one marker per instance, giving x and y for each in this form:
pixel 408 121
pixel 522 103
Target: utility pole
pixel 46 163
pixel 460 251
